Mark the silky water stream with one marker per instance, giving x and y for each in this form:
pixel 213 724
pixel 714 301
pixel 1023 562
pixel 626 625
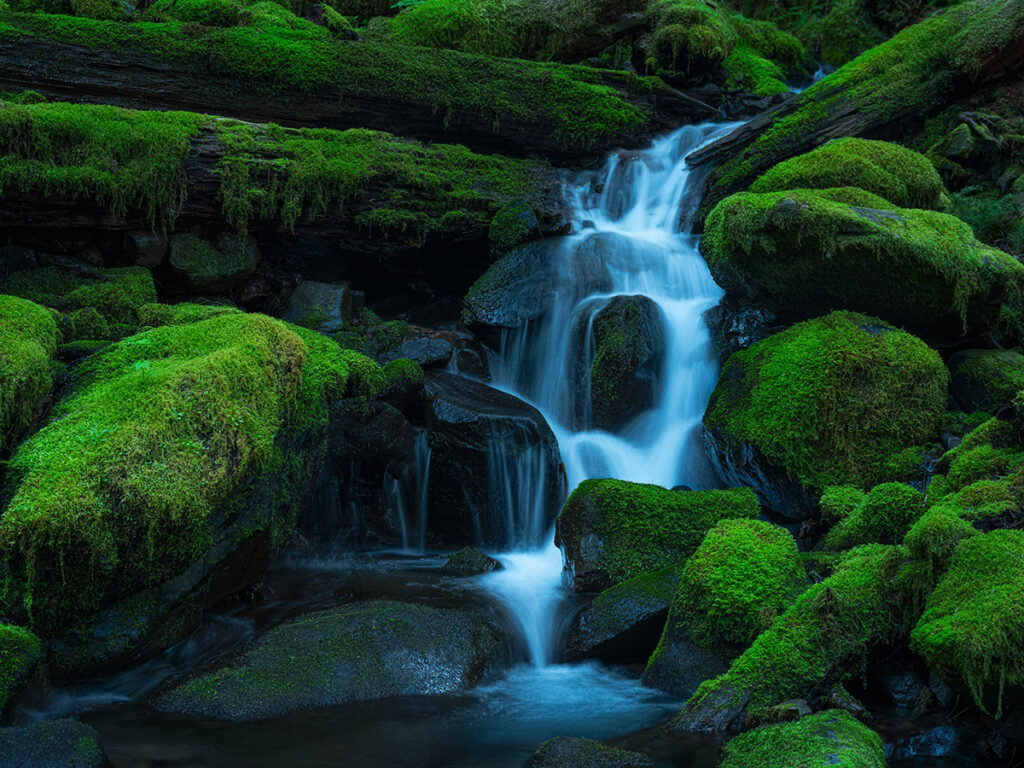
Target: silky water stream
pixel 630 237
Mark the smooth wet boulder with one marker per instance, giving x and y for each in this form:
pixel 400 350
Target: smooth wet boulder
pixel 358 652
pixel 470 562
pixel 28 340
pixel 495 471
pixel 743 575
pixel 168 479
pixel 145 248
pixel 20 657
pixel 629 347
pixel 985 379
pixel 805 252
pixel 513 224
pixel 324 307
pixel 612 530
pixel 623 621
pixel 56 744
pixel 830 738
pixel 973 624
pixel 426 351
pixel 571 752
pixel 213 267
pixel 826 402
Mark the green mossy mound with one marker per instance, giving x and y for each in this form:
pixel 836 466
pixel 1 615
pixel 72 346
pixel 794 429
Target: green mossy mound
pixel 826 633
pixel 359 652
pixel 612 530
pixel 901 176
pixel 28 340
pixel 64 743
pixel 986 379
pixel 20 654
pixel 883 516
pixel 569 752
pixel 126 486
pixel 973 624
pixel 157 315
pixel 804 252
pixel 823 403
pixel 209 268
pixel 830 738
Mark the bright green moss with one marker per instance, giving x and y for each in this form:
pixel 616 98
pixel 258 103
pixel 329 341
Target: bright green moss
pixel 903 177
pixel 883 517
pixel 119 492
pixel 838 502
pixel 402 376
pixel 743 575
pixel 20 654
pixel 688 34
pixel 763 57
pixel 973 625
pixel 829 399
pixel 116 294
pixel 88 323
pixel 28 339
pixel 804 251
pixel 512 225
pixel 830 738
pixel 642 527
pixel 156 315
pixel 936 534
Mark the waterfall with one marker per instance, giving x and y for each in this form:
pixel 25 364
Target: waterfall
pixel 406 497
pixel 630 237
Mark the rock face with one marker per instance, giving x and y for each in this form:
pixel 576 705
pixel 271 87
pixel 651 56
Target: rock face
pixel 57 744
pixel 825 402
pixel 496 476
pixel 358 652
pixel 324 307
pixel 985 379
pixel 470 562
pixel 567 752
pixel 209 268
pixel 802 253
pixel 629 347
pixel 611 530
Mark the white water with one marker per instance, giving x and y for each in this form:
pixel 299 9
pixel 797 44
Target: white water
pixel 406 498
pixel 630 223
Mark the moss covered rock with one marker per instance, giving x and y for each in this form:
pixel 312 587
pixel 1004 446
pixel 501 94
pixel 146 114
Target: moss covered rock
pixel 612 530
pixel 830 738
pixel 903 177
pixel 973 624
pixel 823 403
pixel 156 315
pixel 513 224
pixel 985 379
pixel 56 744
pixel 470 562
pixel 28 340
pixel 20 654
pixel 209 268
pixel 183 448
pixel 566 752
pixel 804 252
pixel 358 652
pixel 883 516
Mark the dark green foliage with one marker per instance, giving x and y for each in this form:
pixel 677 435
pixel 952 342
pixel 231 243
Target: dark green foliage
pixel 986 379
pixel 28 339
pixel 830 738
pixel 156 315
pixel 116 294
pixel 838 502
pixel 20 654
pixel 883 517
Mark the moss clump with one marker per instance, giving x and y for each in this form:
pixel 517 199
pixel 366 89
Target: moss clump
pixel 641 527
pixel 830 738
pixel 157 315
pixel 883 517
pixel 513 224
pixel 763 58
pixel 743 575
pixel 973 624
pixel 802 252
pixel 985 379
pixel 838 502
pixel 903 177
pixel 829 399
pixel 20 654
pixel 403 381
pixel 28 339
pixel 121 490
pixel 88 323
pixel 935 536
pixel 116 294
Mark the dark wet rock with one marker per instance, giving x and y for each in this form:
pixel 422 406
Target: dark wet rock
pixel 485 445
pixel 985 379
pixel 324 307
pixel 940 689
pixel 513 224
pixel 737 327
pixel 903 688
pixel 470 562
pixel 358 652
pixel 840 698
pixel 209 268
pixel 57 744
pixel 935 742
pixel 624 621
pixel 680 666
pixel 428 352
pixel 567 752
pixel 144 248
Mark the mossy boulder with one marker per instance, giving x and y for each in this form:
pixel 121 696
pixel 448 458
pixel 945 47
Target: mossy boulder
pixel 902 176
pixel 568 752
pixel 55 744
pixel 612 530
pixel 629 347
pixel 179 461
pixel 624 621
pixel 985 379
pixel 883 516
pixel 403 383
pixel 805 252
pixel 210 268
pixel 323 307
pixel 28 340
pixel 470 562
pixel 973 623
pixel 821 639
pixel 823 403
pixel 743 575
pixel 513 224
pixel 830 738
pixel 20 655
pixel 157 315
pixel 359 652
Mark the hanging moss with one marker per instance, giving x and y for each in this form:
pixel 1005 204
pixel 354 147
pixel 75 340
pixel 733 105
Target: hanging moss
pixel 28 339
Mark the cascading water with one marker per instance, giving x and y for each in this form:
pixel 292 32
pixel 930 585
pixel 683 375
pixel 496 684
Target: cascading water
pixel 406 497
pixel 630 238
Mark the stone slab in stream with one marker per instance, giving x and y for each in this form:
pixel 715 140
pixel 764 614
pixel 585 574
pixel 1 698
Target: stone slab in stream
pixel 57 744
